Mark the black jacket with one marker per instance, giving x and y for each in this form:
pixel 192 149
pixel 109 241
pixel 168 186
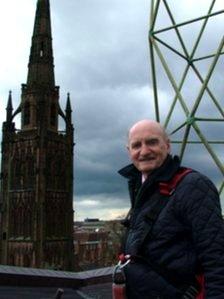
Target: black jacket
pixel 188 236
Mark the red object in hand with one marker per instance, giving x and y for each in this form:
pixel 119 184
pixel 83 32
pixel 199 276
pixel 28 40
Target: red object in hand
pixel 119 291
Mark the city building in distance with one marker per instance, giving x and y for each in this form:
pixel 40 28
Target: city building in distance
pixel 97 243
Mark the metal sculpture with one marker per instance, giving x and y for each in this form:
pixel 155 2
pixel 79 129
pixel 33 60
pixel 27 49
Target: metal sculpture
pixel 169 39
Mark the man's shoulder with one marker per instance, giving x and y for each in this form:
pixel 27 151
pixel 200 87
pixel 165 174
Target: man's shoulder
pixel 195 175
pixel 195 179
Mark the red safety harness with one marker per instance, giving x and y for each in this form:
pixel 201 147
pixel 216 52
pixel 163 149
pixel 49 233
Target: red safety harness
pixel 166 189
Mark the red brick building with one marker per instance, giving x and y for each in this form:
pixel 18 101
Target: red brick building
pixel 96 243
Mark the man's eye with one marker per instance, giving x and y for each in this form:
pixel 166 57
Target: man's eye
pixel 135 145
pixel 152 142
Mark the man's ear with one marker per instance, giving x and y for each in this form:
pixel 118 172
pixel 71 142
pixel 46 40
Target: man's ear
pixel 128 149
pixel 168 145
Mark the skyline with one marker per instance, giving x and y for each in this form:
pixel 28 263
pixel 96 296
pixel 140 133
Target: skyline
pixel 101 57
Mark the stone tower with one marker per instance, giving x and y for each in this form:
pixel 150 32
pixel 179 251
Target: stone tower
pixel 37 165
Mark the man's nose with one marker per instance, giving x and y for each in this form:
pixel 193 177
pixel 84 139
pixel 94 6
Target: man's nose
pixel 145 149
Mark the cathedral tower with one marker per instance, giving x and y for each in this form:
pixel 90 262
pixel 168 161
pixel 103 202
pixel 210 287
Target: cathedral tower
pixel 37 165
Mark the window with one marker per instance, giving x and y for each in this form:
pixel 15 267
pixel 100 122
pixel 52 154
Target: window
pixel 26 118
pixel 53 115
pixel 42 49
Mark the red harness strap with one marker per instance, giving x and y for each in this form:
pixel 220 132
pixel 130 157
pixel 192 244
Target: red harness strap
pixel 201 282
pixel 167 188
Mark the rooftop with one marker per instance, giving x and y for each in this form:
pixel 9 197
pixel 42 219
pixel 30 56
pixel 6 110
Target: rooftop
pixel 30 283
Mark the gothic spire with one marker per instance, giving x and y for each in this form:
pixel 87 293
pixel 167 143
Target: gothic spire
pixel 68 109
pixel 41 62
pixel 68 104
pixel 9 108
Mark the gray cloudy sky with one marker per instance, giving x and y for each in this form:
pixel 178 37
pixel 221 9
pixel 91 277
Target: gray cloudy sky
pixel 102 58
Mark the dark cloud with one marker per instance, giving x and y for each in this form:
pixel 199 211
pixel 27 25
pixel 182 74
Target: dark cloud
pixel 106 59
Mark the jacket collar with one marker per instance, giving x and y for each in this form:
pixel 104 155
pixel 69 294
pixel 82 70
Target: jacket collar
pixel 164 173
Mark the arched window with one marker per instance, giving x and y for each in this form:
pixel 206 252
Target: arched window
pixel 15 179
pixel 26 260
pixel 60 173
pixel 53 114
pixel 20 218
pixel 30 173
pixel 49 170
pixel 28 222
pixel 42 49
pixel 26 116
pixel 12 260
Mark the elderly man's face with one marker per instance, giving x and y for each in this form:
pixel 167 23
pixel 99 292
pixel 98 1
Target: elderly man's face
pixel 148 146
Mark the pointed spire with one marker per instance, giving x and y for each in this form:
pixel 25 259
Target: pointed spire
pixel 41 62
pixel 68 104
pixel 9 107
pixel 68 110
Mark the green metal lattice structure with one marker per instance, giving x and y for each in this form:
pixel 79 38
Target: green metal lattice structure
pixel 180 59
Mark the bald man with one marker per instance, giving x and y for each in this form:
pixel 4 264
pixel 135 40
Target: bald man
pixel 175 236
